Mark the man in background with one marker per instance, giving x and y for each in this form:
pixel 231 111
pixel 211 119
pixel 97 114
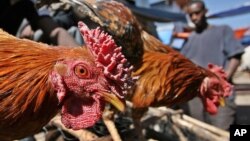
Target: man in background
pixel 216 45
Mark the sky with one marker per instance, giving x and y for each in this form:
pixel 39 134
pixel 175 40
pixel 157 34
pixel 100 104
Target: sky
pixel 235 22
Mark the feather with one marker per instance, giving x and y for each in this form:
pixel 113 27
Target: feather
pixel 24 84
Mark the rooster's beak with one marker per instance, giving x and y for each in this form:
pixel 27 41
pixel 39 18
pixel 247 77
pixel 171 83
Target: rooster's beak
pixel 222 101
pixel 115 101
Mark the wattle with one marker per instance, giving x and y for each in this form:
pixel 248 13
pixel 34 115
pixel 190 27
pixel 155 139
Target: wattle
pixel 78 113
pixel 210 106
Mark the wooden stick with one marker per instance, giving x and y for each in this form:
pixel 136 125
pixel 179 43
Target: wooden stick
pixel 199 128
pixel 104 138
pixel 204 125
pixel 108 121
pixel 161 111
pixel 179 133
pixel 200 132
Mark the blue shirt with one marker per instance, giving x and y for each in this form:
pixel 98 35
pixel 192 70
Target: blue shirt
pixel 214 45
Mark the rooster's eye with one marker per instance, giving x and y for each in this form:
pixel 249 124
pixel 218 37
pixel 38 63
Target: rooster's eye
pixel 81 71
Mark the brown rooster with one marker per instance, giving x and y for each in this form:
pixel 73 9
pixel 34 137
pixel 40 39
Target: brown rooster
pixel 165 77
pixel 37 80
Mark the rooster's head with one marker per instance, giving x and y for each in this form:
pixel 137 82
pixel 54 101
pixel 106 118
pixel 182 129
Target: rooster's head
pixel 84 84
pixel 214 89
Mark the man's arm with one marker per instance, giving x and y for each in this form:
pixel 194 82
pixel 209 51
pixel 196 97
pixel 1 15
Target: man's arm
pixel 233 49
pixel 232 66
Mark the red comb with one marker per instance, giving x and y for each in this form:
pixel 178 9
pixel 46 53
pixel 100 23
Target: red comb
pixel 108 56
pixel 228 88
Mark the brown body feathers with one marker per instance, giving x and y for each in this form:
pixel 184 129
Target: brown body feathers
pixel 25 86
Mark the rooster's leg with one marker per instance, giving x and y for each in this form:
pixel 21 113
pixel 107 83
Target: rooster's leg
pixel 108 117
